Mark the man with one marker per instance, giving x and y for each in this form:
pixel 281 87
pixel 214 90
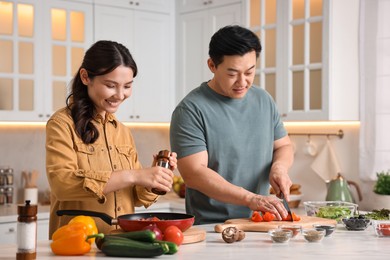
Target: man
pixel 230 141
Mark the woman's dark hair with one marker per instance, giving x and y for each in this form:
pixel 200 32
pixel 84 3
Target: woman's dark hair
pixel 233 40
pixel 101 58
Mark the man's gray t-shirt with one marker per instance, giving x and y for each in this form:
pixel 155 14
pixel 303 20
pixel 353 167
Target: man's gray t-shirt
pixel 238 135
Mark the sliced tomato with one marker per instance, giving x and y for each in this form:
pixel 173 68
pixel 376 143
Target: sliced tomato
pixel 288 218
pixel 268 216
pixel 295 217
pixel 256 217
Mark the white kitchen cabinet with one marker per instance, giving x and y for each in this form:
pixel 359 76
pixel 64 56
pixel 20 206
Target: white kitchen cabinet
pixel 194 33
pixel 150 39
pixel 309 62
pixel 160 6
pixel 196 5
pixel 8 231
pixel 41 45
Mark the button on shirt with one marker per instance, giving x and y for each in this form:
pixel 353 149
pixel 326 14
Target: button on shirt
pixel 78 172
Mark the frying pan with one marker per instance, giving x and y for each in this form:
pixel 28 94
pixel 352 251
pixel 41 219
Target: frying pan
pixel 134 222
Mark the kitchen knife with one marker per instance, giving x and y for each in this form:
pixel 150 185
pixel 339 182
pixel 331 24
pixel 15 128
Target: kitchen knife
pixel 286 206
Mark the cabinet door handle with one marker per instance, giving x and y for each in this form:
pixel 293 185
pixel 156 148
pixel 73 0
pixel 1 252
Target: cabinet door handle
pixel 11 230
pixel 131 2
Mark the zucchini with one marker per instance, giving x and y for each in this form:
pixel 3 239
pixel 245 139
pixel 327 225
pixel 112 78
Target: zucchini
pixel 132 248
pixel 99 241
pixel 143 236
pixel 173 248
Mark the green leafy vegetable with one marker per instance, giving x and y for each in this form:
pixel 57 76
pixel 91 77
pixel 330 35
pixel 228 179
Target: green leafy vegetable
pixel 382 185
pixel 332 212
pixel 383 214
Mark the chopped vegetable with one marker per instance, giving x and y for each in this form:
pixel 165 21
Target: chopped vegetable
pixel 268 216
pixel 332 212
pixel 383 214
pixel 256 217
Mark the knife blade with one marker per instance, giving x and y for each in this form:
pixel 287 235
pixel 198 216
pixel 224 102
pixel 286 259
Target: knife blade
pixel 286 206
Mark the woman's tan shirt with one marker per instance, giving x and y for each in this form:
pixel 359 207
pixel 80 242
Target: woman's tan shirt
pixel 77 172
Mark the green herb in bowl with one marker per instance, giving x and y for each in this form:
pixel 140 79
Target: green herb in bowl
pixel 383 214
pixel 332 212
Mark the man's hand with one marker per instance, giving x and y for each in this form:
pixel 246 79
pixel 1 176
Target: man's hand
pixel 280 180
pixel 268 204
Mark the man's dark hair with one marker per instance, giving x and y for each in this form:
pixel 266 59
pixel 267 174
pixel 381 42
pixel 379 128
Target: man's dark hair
pixel 233 40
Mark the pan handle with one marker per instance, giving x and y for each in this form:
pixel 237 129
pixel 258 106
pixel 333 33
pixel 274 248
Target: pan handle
pixel 70 212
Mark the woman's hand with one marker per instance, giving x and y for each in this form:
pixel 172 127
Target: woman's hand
pixel 268 204
pixel 155 177
pixel 172 160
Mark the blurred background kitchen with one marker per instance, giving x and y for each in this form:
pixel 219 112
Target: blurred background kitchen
pixel 325 62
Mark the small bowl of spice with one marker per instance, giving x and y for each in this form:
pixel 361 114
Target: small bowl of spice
pixel 280 235
pixel 313 234
pixel 296 229
pixel 329 228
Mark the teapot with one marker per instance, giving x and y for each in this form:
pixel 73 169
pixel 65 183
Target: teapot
pixel 338 190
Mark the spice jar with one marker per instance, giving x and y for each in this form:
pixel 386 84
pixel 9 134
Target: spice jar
pixel 27 231
pixel 2 196
pixel 9 192
pixel 9 173
pixel 3 178
pixel 162 160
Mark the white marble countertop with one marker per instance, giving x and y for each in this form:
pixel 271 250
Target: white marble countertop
pixel 169 202
pixel 342 244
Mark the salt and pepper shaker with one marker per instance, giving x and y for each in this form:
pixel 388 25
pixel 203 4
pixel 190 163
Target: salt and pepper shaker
pixel 163 161
pixel 27 231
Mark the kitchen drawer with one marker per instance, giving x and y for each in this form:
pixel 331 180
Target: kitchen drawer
pixel 8 231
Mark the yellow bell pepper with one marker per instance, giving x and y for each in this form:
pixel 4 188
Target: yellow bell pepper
pixel 89 222
pixel 72 239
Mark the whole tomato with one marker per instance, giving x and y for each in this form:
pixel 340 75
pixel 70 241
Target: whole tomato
pixel 173 234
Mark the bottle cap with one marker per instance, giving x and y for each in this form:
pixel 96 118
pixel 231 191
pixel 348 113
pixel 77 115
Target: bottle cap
pixel 27 210
pixel 164 154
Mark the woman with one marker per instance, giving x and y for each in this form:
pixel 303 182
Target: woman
pixel 91 159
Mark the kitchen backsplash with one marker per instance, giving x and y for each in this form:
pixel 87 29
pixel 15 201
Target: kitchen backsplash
pixel 23 149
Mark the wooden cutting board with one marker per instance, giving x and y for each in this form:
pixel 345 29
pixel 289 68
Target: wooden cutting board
pixel 194 235
pixel 246 224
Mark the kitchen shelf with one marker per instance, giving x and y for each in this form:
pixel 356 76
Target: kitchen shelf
pixel 340 134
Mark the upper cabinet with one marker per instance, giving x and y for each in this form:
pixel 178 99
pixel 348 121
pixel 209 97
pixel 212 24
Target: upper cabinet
pixel 161 6
pixel 149 35
pixel 309 62
pixel 197 22
pixel 41 45
pixel 196 5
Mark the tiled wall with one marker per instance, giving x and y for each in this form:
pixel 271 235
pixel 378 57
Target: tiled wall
pixel 23 148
